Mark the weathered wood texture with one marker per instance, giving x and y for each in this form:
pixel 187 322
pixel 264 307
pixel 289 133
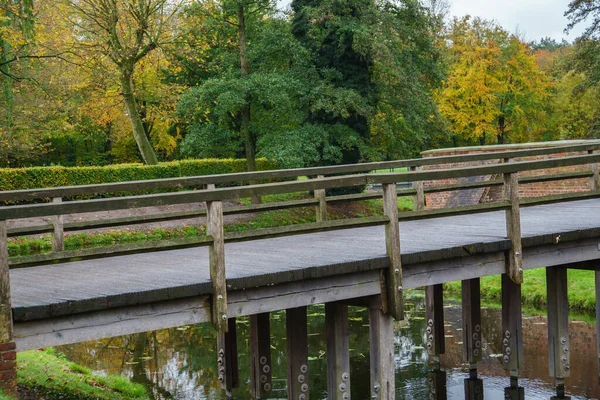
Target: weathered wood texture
pixel 513 228
pixel 435 251
pixel 512 324
pixel 471 311
pixel 419 197
pixel 321 207
pixel 473 389
pixel 595 178
pixel 558 322
pixel 338 351
pixel 436 383
pixel 597 276
pixel 227 357
pixel 260 353
pixel 70 191
pixel 434 314
pixel 217 264
pixel 58 233
pixel 393 277
pixel 6 320
pixel 381 340
pixel 297 353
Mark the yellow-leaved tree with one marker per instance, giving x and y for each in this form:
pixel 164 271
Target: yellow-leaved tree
pixel 495 91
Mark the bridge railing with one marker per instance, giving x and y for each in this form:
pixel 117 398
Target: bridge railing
pixel 214 197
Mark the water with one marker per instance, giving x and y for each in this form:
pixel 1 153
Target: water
pixel 181 363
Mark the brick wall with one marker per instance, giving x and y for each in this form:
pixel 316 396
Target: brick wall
pixel 474 196
pixel 8 368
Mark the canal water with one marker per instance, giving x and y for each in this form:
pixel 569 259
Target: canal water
pixel 181 364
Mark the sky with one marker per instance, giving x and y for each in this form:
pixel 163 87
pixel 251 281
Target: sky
pixel 533 19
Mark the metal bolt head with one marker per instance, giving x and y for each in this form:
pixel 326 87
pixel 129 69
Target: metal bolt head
pixel 563 340
pixel 478 344
pixel 264 378
pixel 304 368
pixel 564 359
pixel 221 352
pixel 221 379
pixel 302 396
pixel 304 387
pixel 430 322
pixel 399 288
pixel 346 396
pixel 429 346
pixel 566 349
pixel 376 387
pixel 345 376
pixel 224 317
pixel 374 396
pixel 266 369
pixel 429 330
pixel 505 342
pixel 567 367
pixel 476 336
pixel 342 387
pixel 221 370
pixel 220 360
pixel 219 297
pixel 506 359
pixel 397 271
pixel 521 271
pixel 301 378
pixel 263 360
pixel 267 387
pixel 476 352
pixel 508 351
pixel 477 328
pixel 507 334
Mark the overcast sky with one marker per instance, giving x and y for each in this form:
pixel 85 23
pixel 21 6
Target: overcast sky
pixel 534 19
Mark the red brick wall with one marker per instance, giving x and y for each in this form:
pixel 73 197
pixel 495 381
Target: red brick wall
pixel 8 368
pixel 474 196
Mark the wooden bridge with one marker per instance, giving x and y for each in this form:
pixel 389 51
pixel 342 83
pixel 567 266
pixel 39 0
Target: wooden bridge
pixel 71 296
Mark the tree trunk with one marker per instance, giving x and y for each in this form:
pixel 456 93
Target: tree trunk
pixel 137 126
pixel 249 139
pixel 7 87
pixel 501 129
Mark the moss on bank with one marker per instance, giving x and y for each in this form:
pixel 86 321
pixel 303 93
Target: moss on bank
pixel 48 375
pixel 581 288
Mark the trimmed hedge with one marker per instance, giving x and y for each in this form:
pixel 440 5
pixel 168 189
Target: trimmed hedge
pixel 44 177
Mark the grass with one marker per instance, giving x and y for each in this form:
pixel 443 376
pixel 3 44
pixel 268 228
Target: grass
pixel 50 376
pixel 581 289
pixel 26 245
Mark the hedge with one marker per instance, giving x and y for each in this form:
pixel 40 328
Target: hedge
pixel 43 177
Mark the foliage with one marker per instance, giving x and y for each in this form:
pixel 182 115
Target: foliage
pixel 495 89
pixel 47 374
pixel 38 177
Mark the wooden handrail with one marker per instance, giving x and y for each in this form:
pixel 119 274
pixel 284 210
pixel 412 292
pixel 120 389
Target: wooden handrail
pixel 195 181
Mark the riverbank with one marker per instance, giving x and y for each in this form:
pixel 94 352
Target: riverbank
pixel 46 374
pixel 581 289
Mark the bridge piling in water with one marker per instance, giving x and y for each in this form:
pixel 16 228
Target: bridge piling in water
pixel 260 356
pixel 227 358
pixel 436 346
pixel 471 312
pixel 559 352
pixel 512 332
pixel 297 353
pixel 381 341
pixel 338 351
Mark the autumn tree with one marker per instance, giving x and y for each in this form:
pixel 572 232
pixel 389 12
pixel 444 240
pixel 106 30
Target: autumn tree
pixel 125 32
pixel 495 88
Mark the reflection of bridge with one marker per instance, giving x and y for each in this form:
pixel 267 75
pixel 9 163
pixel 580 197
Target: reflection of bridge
pixel 71 296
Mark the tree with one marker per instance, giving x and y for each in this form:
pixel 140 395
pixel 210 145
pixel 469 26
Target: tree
pixel 495 88
pixel 579 11
pixel 125 32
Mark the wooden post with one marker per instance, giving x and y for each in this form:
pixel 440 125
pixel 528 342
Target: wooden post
pixel 436 383
pixel 514 266
pixel 512 322
pixel 338 351
pixel 558 323
pixel 8 365
pixel 419 198
pixel 395 302
pixel 260 351
pixel 381 339
pixel 595 178
pixel 598 319
pixel 321 208
pixel 297 353
pixel 471 311
pixel 216 252
pixel 434 314
pixel 227 358
pixel 58 235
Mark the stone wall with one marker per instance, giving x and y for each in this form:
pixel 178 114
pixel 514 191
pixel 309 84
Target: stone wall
pixel 474 196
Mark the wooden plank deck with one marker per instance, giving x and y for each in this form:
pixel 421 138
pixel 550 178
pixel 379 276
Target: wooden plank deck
pixel 65 289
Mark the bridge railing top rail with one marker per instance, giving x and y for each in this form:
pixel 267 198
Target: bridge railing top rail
pixel 219 194
pixel 132 186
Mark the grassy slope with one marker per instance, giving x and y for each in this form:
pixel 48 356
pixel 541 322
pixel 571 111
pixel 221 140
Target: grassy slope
pixel 50 376
pixel 581 289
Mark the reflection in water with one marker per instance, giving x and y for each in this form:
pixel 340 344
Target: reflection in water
pixel 181 363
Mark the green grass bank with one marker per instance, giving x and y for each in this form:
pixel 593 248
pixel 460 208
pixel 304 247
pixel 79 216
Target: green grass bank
pixel 581 288
pixel 44 374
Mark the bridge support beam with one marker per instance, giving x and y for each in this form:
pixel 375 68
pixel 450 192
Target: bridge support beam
pixel 434 315
pixel 260 353
pixel 512 332
pixel 381 339
pixel 8 364
pixel 597 272
pixel 471 311
pixel 338 351
pixel 321 208
pixel 227 358
pixel 394 293
pixel 297 353
pixel 558 328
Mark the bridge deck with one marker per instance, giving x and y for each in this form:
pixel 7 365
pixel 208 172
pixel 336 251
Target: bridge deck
pixel 55 290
